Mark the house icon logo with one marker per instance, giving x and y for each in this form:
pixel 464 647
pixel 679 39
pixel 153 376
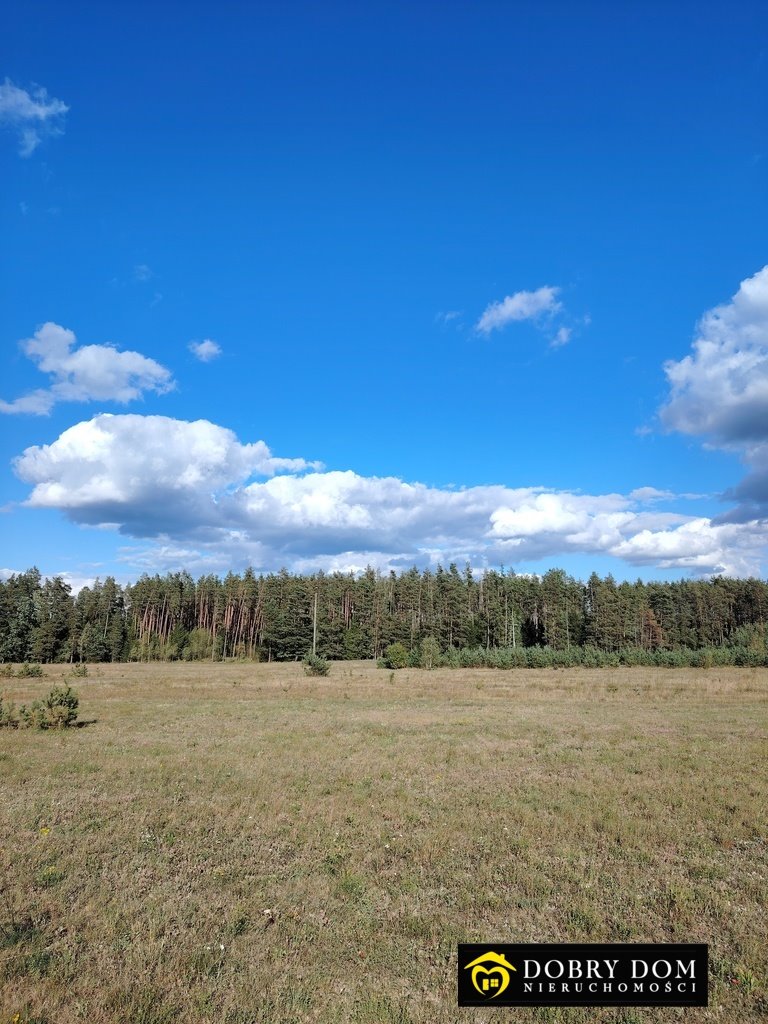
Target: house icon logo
pixel 490 981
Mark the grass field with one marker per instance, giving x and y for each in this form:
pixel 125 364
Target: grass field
pixel 239 843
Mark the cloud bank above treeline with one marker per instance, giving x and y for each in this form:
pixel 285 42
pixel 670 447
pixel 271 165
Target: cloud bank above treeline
pixel 201 496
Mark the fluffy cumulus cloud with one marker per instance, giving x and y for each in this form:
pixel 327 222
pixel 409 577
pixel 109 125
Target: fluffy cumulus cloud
pixel 207 500
pixel 33 115
pixel 145 474
pixel 85 373
pixel 205 350
pixel 700 546
pixel 721 388
pixel 719 391
pixel 521 306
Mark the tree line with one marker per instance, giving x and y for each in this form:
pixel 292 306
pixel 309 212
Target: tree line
pixel 281 616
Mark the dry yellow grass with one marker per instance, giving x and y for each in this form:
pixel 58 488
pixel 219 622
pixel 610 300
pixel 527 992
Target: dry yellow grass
pixel 239 843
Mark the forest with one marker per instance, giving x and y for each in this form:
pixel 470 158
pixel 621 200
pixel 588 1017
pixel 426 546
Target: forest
pixel 279 616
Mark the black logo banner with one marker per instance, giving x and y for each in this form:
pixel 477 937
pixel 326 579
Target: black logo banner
pixel 583 974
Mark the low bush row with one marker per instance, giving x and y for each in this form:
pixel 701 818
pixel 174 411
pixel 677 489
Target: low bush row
pixel 426 655
pixel 26 671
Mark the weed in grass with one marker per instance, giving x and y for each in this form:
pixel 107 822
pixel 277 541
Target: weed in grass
pixel 14 931
pixel 141 1005
pixel 239 925
pixel 207 963
pixel 581 923
pixel 37 963
pixel 334 862
pixel 746 979
pixel 352 886
pixel 375 1009
pixel 27 1016
pixel 48 877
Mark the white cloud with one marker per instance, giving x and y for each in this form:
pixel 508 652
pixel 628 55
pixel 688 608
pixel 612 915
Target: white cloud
pixel 650 494
pixel 74 581
pixel 85 374
pixel 36 403
pixel 562 337
pixel 541 307
pixel 557 515
pixel 141 272
pixel 112 469
pixel 34 115
pixel 205 350
pixel 450 318
pixel 521 306
pixel 720 390
pixel 701 546
pixel 190 487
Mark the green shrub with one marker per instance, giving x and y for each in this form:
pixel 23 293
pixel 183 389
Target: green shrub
pixel 472 657
pixel 28 671
pixel 452 658
pixel 747 657
pixel 6 670
pixel 753 636
pixel 32 717
pixel 634 656
pixel 538 657
pixel 79 671
pixel 429 656
pixel 61 706
pixel 56 711
pixel 396 656
pixel 314 665
pixel 8 715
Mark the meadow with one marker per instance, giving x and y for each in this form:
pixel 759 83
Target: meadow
pixel 237 842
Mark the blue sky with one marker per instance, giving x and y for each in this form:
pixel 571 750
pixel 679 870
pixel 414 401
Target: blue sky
pixel 474 282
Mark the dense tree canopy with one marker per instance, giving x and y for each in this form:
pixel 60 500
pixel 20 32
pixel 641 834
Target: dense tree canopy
pixel 271 617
